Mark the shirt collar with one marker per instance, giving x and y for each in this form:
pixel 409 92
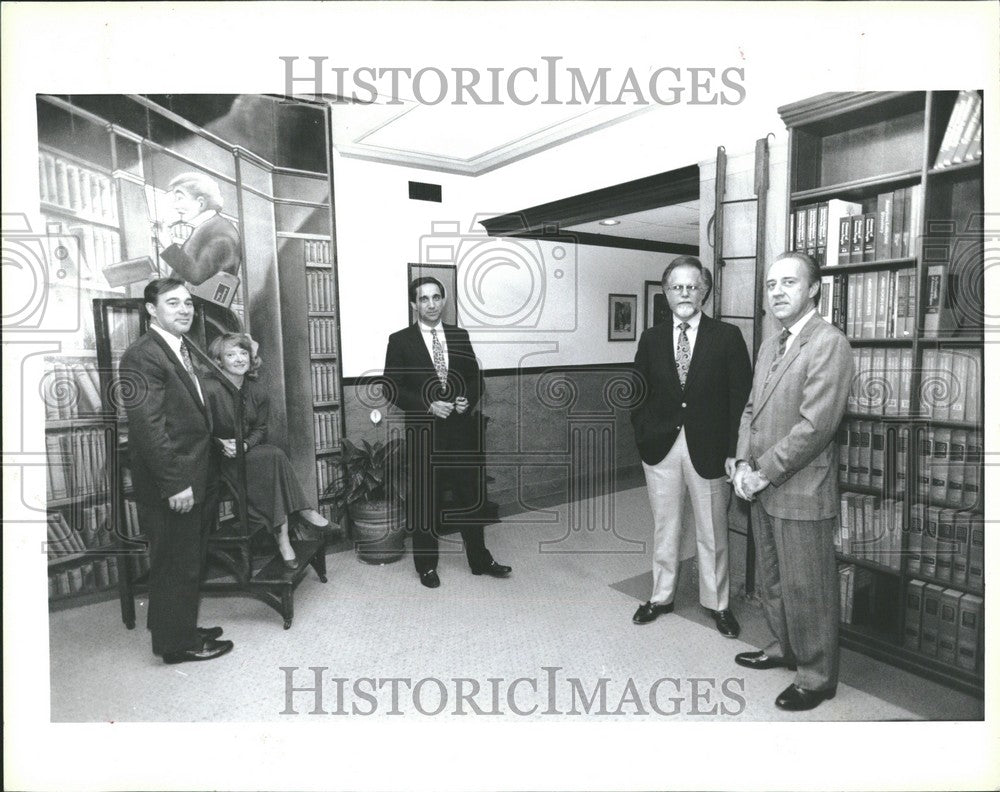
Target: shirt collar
pixel 424 328
pixel 202 217
pixel 692 323
pixel 796 328
pixel 174 342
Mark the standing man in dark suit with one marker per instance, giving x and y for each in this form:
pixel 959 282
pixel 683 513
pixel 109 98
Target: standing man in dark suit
pixel 435 380
pixel 696 372
pixel 173 472
pixel 787 465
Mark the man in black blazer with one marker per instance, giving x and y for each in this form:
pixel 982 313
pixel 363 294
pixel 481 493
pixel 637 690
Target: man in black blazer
pixel 696 374
pixel 434 379
pixel 173 472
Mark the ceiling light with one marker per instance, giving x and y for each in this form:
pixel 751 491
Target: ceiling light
pixel 610 222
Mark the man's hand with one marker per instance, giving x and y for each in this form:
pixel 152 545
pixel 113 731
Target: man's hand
pixel 229 446
pixel 441 409
pixel 730 468
pixel 461 405
pixel 182 502
pixel 748 483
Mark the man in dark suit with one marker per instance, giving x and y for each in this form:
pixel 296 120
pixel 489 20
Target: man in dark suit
pixel 696 373
pixel 787 465
pixel 433 377
pixel 173 472
pixel 202 243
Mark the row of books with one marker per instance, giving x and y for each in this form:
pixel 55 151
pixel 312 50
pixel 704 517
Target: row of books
pixel 71 390
pixel 90 529
pixel 322 336
pixel 963 137
pixel 951 384
pixel 325 382
pixel 317 253
pixel 945 545
pixel 872 529
pixel 863 446
pixel 77 463
pixel 319 291
pixel 840 232
pixel 855 583
pixel 945 624
pixel 328 472
pixel 871 305
pixel 949 466
pixel 326 430
pixel 882 382
pixel 80 189
pixel 96 575
pixel 100 247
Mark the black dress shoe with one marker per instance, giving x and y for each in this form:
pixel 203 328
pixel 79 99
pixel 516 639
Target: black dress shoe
pixel 430 578
pixel 759 661
pixel 650 611
pixel 797 699
pixel 209 633
pixel 726 622
pixel 209 650
pixel 493 569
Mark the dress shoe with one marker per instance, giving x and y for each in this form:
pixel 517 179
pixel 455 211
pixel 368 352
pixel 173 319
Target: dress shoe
pixel 314 518
pixel 650 611
pixel 291 563
pixel 796 699
pixel 493 569
pixel 209 650
pixel 209 633
pixel 430 578
pixel 726 622
pixel 759 661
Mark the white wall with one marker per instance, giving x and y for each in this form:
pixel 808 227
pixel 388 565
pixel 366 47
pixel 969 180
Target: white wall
pixel 380 230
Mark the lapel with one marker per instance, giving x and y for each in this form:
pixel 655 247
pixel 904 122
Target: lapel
pixel 790 355
pixel 419 348
pixel 669 360
pixel 706 335
pixel 181 371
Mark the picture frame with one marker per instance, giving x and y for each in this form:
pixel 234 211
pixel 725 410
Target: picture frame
pixel 656 308
pixel 622 310
pixel 448 275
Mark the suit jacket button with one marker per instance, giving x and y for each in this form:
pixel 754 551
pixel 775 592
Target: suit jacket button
pixel 684 404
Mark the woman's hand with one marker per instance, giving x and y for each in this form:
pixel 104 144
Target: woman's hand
pixel 229 446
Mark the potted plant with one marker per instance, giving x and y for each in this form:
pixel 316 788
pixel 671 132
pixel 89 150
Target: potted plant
pixel 371 493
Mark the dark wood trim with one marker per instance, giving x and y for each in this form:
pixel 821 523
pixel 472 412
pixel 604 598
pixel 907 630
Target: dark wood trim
pixel 626 243
pixel 513 372
pixel 846 104
pixel 650 192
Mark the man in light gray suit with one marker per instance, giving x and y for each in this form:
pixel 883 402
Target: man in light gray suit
pixel 786 464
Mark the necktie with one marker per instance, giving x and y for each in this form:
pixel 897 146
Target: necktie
pixel 439 365
pixel 683 354
pixel 782 342
pixel 186 359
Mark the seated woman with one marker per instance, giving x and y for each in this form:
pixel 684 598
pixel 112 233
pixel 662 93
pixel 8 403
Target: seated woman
pixel 273 491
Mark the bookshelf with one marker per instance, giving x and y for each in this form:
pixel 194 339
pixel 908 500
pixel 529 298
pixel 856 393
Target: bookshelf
pixel 886 191
pixel 105 163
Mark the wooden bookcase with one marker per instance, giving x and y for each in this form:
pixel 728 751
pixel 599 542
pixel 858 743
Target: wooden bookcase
pixel 911 535
pixel 104 166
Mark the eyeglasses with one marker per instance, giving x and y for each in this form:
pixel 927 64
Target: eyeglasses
pixel 682 287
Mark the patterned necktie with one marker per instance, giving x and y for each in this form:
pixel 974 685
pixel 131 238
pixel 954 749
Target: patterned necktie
pixel 439 365
pixel 782 342
pixel 683 354
pixel 189 368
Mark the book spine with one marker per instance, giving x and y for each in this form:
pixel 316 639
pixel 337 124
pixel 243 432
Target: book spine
pixel 914 609
pixel 930 619
pixel 970 631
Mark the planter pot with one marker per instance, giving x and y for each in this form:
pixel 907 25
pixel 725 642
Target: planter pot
pixel 379 530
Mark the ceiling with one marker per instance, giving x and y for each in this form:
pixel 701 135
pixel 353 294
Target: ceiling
pixel 675 223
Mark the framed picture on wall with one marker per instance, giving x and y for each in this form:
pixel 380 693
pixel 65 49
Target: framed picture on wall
pixel 656 308
pixel 622 316
pixel 447 274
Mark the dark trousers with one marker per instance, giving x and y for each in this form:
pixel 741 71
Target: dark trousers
pixel 446 494
pixel 426 552
pixel 800 591
pixel 177 549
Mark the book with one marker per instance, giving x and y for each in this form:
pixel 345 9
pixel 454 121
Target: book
pixel 914 540
pixel 902 442
pixel 940 459
pixel 898 198
pixel 844 240
pixel 947 640
pixel 868 241
pixel 960 561
pixel 925 449
pixel 882 304
pixel 905 380
pixel 934 299
pixel 883 236
pixel 930 619
pixel 812 216
pixel 959 369
pixel 839 231
pixel 972 405
pixel 854 449
pixel 905 247
pixel 864 453
pixel 970 631
pixel 892 366
pixel 870 286
pixel 946 547
pixel 857 239
pixel 956 123
pixel 843 445
pixel 977 558
pixel 914 609
pixel 974 120
pixel 956 467
pixel 800 229
pixel 877 455
pixel 825 307
pixel 972 470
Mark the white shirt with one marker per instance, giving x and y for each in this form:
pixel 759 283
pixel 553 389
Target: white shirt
pixel 425 332
pixel 796 328
pixel 202 217
pixel 692 330
pixel 174 342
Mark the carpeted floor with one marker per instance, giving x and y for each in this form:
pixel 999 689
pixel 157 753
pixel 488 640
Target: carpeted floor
pixel 554 641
